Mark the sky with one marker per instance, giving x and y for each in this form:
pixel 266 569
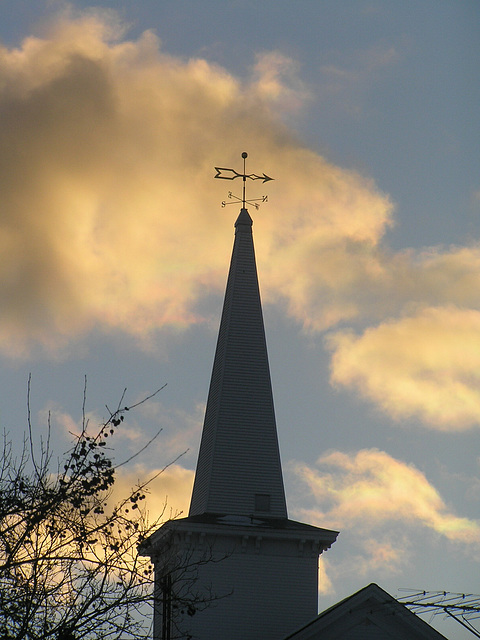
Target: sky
pixel 115 251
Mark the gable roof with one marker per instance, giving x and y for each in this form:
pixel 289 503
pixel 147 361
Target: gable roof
pixel 368 614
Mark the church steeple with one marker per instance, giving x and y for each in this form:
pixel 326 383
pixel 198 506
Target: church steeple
pixel 237 542
pixel 239 470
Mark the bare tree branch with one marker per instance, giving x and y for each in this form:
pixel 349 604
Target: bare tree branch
pixel 69 566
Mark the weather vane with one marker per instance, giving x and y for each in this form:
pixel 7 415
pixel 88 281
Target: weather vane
pixel 230 174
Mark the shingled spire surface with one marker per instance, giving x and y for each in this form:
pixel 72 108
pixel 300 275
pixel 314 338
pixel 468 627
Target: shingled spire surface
pixel 239 470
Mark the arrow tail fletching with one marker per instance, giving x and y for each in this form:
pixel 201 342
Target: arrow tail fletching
pixel 219 171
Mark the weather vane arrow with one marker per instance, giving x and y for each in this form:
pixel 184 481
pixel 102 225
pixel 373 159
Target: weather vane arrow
pixel 234 174
pixel 224 173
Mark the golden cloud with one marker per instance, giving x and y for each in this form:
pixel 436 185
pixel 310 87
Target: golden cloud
pixel 426 365
pixel 168 495
pixel 377 557
pixel 276 78
pixel 381 554
pixel 325 584
pixel 109 214
pixel 110 218
pixel 371 488
pixel 179 431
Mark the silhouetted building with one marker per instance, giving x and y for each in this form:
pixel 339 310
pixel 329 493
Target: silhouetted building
pixel 369 614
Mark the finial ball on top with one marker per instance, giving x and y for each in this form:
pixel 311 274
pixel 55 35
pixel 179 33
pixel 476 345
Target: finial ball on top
pixel 244 154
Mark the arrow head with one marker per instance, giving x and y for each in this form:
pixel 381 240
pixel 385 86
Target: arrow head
pixel 264 177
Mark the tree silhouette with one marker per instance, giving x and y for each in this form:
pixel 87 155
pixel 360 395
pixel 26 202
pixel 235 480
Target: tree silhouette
pixel 69 567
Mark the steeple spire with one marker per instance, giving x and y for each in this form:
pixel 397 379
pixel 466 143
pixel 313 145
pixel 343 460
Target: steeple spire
pixel 239 470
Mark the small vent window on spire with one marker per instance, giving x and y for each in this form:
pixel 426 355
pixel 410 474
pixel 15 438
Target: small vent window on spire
pixel 262 502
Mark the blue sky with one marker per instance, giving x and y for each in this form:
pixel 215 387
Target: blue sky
pixel 115 250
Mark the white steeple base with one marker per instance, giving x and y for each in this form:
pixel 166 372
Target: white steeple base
pixel 246 578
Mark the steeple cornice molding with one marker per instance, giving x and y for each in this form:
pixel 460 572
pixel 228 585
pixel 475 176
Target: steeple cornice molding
pixel 288 530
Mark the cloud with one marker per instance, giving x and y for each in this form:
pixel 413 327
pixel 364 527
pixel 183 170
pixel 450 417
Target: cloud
pixel 362 558
pixel 423 361
pixel 276 78
pixel 385 510
pixel 181 430
pixel 168 493
pixel 371 489
pixel 167 496
pixel 325 584
pixel 110 219
pixel 170 483
pixel 426 366
pixel 375 558
pixel 178 433
pixel 381 555
pixel 334 279
pixel 109 214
